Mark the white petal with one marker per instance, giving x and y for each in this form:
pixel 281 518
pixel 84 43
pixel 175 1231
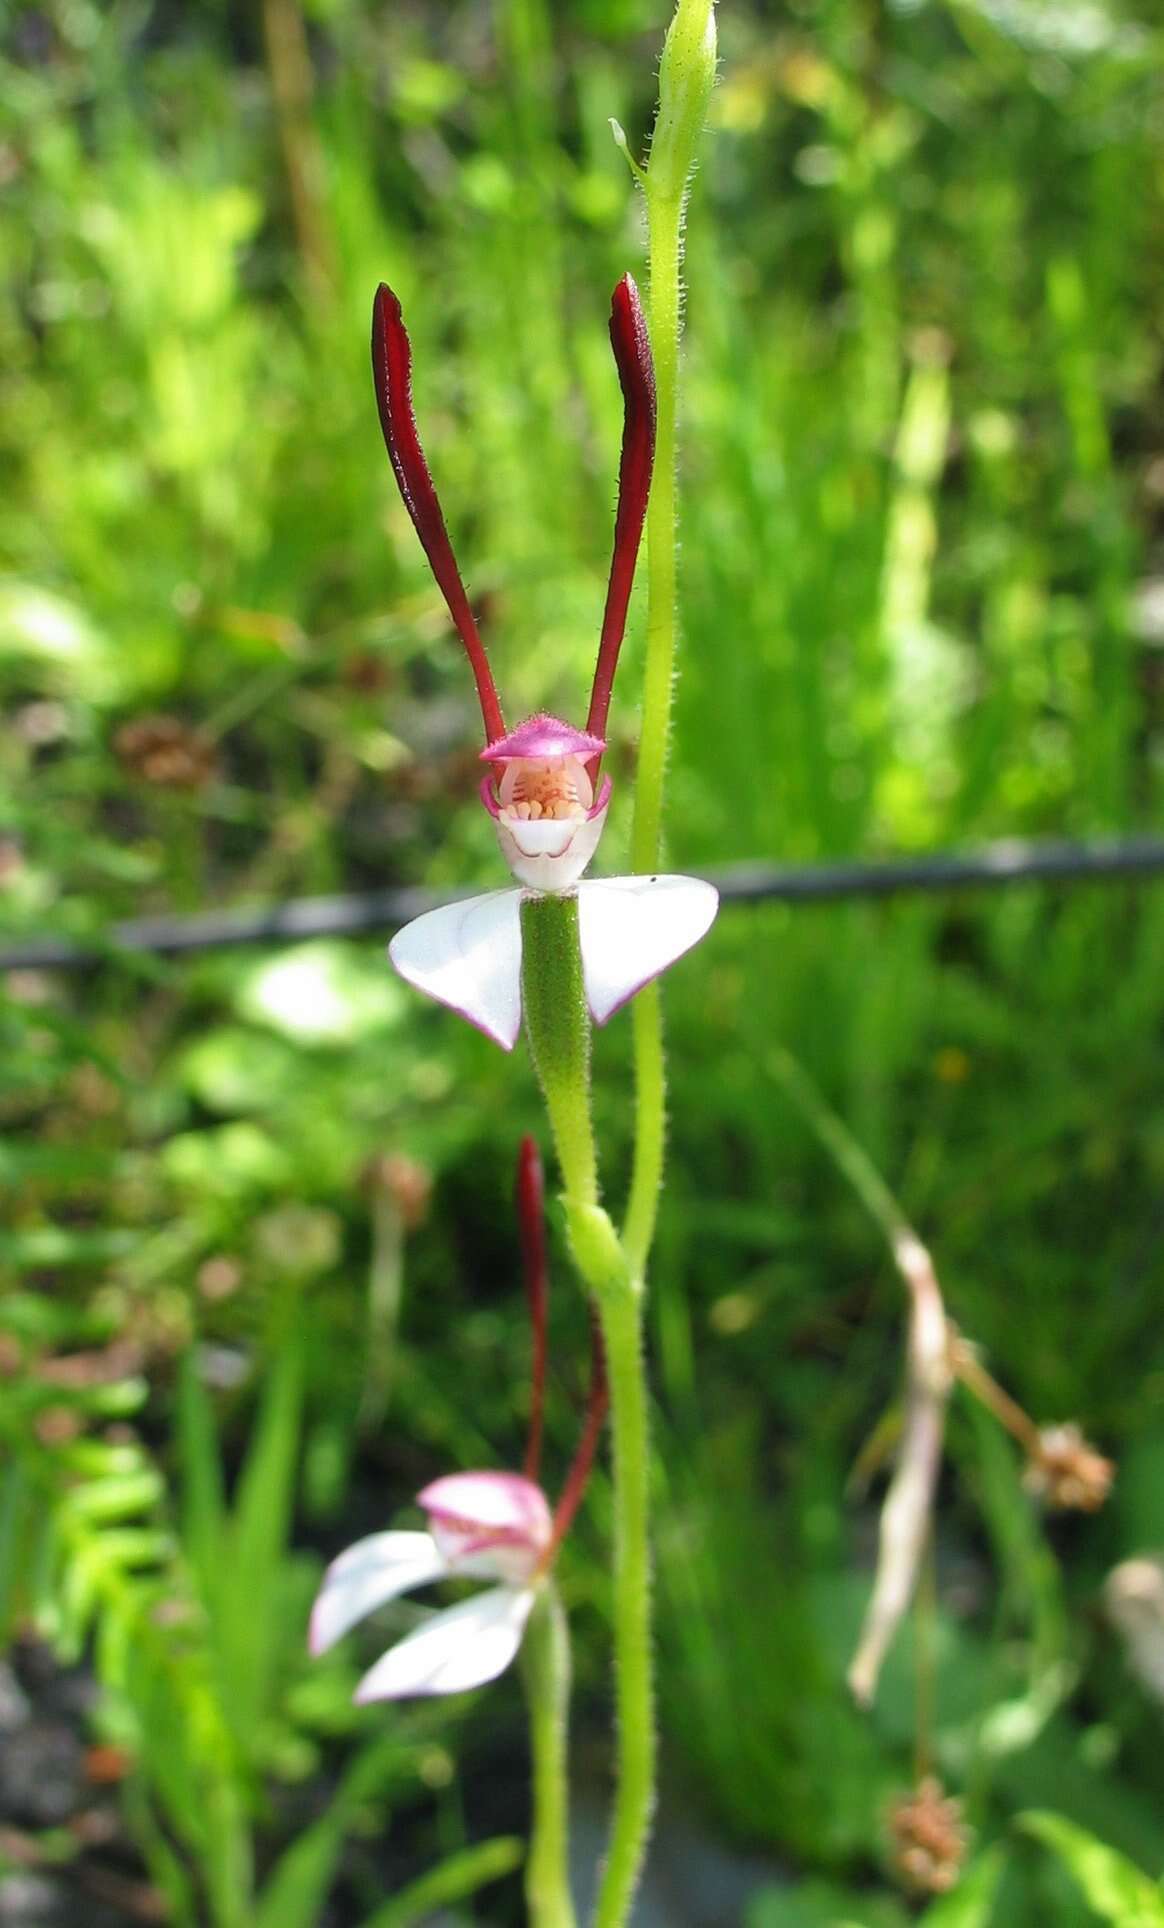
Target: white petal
pixel 631 928
pixel 468 956
pixel 366 1575
pixel 462 1647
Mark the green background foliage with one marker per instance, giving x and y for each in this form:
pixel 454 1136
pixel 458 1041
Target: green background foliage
pixel 922 497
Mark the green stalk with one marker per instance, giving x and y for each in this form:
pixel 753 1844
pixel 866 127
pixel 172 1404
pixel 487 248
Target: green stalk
pixel 664 227
pixel 621 1314
pixel 555 1009
pixel 686 75
pixel 650 1146
pixel 545 1661
pixel 558 1030
pixel 557 1025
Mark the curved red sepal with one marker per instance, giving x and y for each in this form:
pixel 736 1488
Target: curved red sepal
pixel 392 369
pixel 636 374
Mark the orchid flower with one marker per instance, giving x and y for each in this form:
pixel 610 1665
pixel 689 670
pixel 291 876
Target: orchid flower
pixel 481 1526
pixel 544 789
pixel 494 1526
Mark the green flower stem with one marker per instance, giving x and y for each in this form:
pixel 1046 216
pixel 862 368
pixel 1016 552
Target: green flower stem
pixel 557 1025
pixel 664 224
pixel 621 1314
pixel 686 76
pixel 545 1662
pixel 650 1128
pixel 558 1030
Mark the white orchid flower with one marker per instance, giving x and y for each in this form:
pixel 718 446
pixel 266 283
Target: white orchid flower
pixel 544 790
pixel 481 1526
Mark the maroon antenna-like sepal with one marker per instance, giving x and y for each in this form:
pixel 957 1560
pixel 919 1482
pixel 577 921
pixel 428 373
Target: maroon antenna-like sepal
pixel 636 374
pixel 392 368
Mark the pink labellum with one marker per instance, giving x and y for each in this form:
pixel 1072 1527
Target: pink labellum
pixel 541 798
pixel 543 737
pixel 550 853
pixel 489 798
pixel 462 1647
pixel 493 1508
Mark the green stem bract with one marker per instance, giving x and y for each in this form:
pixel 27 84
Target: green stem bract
pixel 545 1664
pixel 622 1331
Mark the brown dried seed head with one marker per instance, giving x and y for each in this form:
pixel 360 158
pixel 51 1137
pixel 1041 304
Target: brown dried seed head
pixel 929 1839
pixel 164 751
pixel 1066 1471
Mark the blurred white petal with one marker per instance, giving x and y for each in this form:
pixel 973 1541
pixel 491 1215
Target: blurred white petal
pixel 462 1647
pixel 366 1575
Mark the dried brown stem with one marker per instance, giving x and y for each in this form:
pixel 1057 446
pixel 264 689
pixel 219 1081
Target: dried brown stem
pixel 908 1509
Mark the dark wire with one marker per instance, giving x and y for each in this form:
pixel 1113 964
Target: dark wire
pixel 383 911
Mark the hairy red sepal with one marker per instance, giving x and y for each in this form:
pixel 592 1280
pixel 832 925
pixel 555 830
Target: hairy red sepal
pixel 535 1267
pixel 392 368
pixel 636 374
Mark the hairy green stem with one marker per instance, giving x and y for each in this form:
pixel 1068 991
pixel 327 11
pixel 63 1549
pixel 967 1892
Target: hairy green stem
pixel 621 1314
pixel 545 1661
pixel 555 1008
pixel 664 226
pixel 650 1128
pixel 557 1026
pixel 558 1030
pixel 686 74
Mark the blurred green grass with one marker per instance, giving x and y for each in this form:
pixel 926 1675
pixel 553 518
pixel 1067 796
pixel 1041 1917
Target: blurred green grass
pixel 923 478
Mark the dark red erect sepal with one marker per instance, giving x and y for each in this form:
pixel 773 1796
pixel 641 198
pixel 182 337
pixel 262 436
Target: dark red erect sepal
pixel 392 368
pixel 531 1221
pixel 636 374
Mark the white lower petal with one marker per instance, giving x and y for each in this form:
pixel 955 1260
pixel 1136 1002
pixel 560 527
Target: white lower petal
pixel 549 855
pixel 631 928
pixel 366 1575
pixel 462 1647
pixel 468 956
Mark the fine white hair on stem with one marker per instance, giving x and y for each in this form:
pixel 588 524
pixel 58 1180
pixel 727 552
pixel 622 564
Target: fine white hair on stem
pixel 908 1508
